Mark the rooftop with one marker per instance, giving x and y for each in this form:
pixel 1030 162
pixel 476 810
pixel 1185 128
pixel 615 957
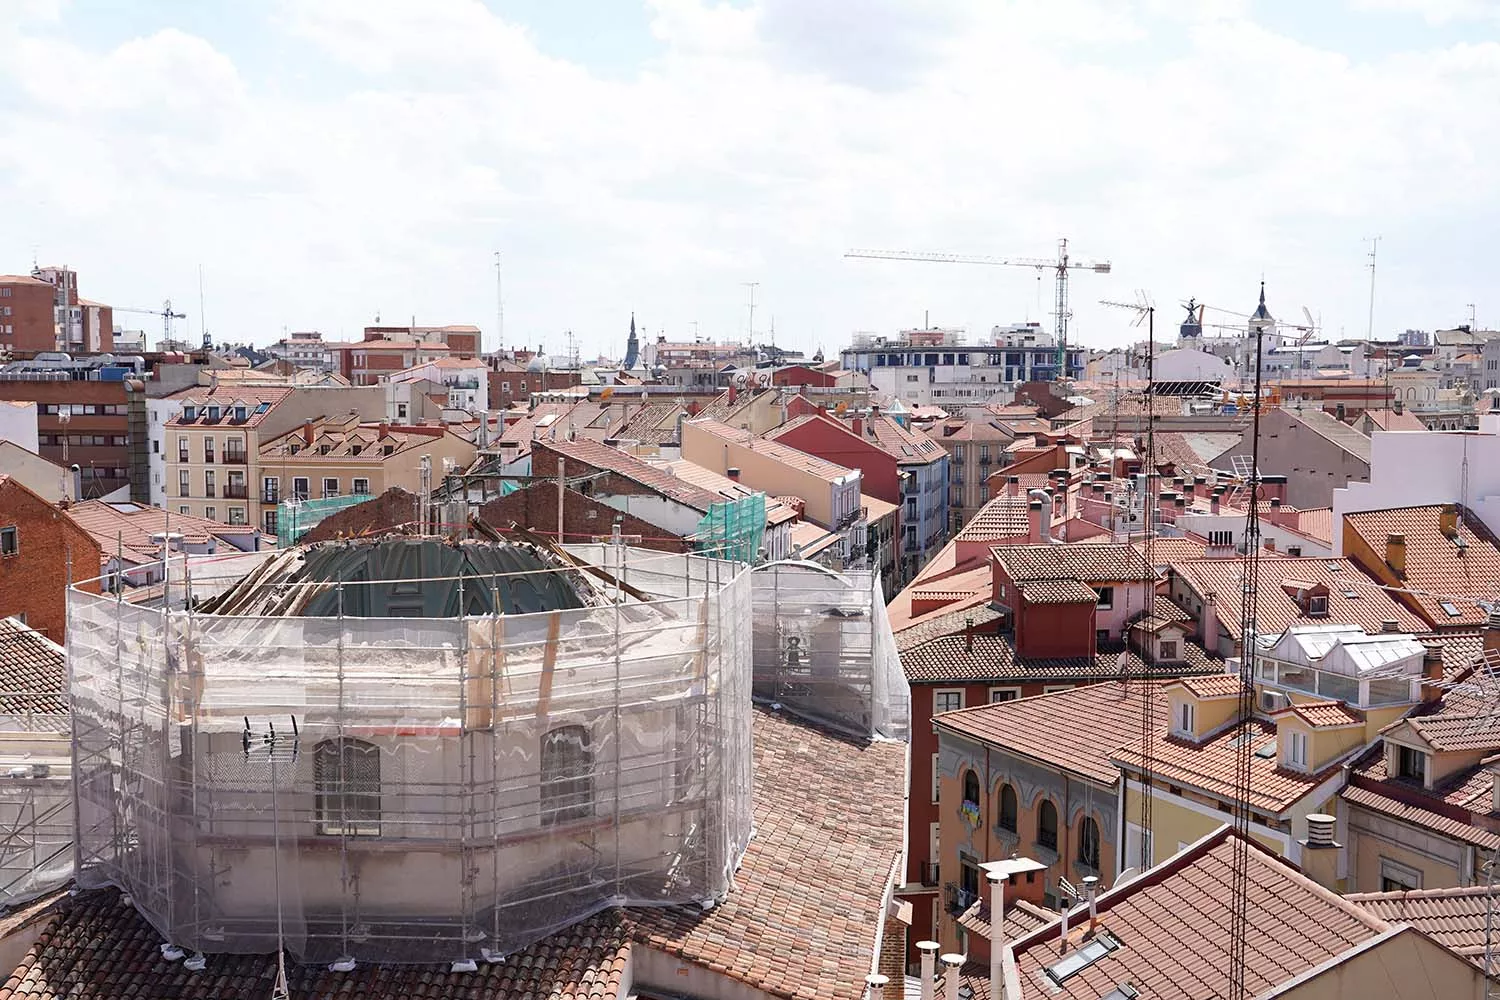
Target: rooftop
pixel 658 480
pixel 1454 918
pixel 989 656
pixel 1332 429
pixel 1002 517
pixel 1044 727
pixel 1174 927
pixel 1103 563
pixel 785 454
pixel 1467 563
pixel 257 400
pixel 33 673
pixel 124 528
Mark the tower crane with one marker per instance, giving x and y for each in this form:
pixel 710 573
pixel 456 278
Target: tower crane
pixel 1061 266
pixel 165 312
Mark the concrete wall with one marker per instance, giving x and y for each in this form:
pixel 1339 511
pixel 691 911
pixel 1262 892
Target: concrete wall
pixel 1405 966
pixel 1440 862
pixel 1314 466
pixel 18 423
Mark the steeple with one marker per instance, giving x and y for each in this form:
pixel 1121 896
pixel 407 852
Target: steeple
pixel 632 346
pixel 1261 314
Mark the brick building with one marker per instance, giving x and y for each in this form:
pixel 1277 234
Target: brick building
pixel 40 546
pixel 42 312
pixel 85 422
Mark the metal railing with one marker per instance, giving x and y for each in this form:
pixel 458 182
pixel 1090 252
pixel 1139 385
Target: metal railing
pixel 928 873
pixel 236 491
pixel 957 899
pixel 235 458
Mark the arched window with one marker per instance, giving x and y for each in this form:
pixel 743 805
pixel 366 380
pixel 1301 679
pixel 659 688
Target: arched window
pixel 1009 807
pixel 1088 844
pixel 567 775
pixel 1046 825
pixel 346 779
pixel 971 787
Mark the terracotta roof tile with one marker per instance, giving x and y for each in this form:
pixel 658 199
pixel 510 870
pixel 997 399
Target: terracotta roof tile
pixel 1369 607
pixel 33 673
pixel 1323 714
pixel 1085 563
pixel 776 451
pixel 993 657
pixel 1454 917
pixel 1057 592
pixel 1044 727
pixel 1021 918
pixel 947 622
pixel 1218 685
pixel 1419 816
pixel 98 948
pixel 602 456
pixel 1317 523
pixel 809 896
pixel 1002 517
pixel 1174 925
pixel 1209 765
pixel 1436 564
pixel 1459 732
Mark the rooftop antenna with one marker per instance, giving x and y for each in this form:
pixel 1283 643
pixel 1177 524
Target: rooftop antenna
pixel 1473 322
pixel 202 312
pixel 752 285
pixel 499 306
pixel 1374 242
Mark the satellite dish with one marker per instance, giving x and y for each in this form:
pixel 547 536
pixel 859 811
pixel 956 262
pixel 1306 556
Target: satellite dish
pixel 1125 876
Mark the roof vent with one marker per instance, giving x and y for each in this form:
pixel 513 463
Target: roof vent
pixel 1320 827
pixel 345 964
pixel 1390 625
pixel 464 965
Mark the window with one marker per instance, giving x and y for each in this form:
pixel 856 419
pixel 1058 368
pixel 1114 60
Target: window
pixel 1005 815
pixel 947 700
pixel 184 509
pixel 1396 877
pixel 1004 694
pixel 182 449
pixel 361 487
pixel 346 777
pixel 268 518
pixel 1106 597
pixel 1294 550
pixel 1450 609
pixel 1296 750
pixel 937 784
pixel 1317 606
pixel 299 487
pixel 958 453
pixel 208 483
pixel 208 449
pixel 212 513
pixel 1054 688
pixel 1088 844
pixel 330 487
pixel 567 787
pixel 1184 718
pixel 10 542
pixel 1167 649
pixel 971 789
pixel 1411 764
pixel 184 488
pixel 1046 825
pixel 270 489
pixel 189 414
pixel 237 515
pixel 1082 957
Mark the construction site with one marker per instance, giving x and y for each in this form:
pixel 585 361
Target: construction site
pixel 418 750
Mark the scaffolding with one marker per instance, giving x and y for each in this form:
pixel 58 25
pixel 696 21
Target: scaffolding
pixel 734 529
pixel 414 789
pixel 295 518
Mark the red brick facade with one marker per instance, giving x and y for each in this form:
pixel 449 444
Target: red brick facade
pixel 535 508
pixel 97 429
pixel 48 543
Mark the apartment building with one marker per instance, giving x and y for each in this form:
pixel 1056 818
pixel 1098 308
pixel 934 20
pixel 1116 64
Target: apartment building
pixel 348 456
pixel 83 422
pixel 463 384
pixel 42 550
pixel 213 446
pixel 42 312
pixel 936 367
pixel 976 447
pixel 304 349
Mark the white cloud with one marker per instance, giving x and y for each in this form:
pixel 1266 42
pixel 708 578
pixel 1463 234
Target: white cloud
pixel 1193 146
pixel 1435 11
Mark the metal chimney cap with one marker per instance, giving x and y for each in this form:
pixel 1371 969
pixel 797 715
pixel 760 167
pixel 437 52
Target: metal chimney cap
pixel 952 960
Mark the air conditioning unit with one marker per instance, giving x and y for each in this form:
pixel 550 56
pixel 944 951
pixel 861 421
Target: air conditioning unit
pixel 1273 701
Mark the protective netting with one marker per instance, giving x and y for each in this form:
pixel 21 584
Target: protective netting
pixel 36 833
pixel 734 529
pixel 415 790
pixel 295 518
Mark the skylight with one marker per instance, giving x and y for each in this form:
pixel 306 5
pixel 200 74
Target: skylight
pixel 1267 751
pixel 1450 608
pixel 1071 964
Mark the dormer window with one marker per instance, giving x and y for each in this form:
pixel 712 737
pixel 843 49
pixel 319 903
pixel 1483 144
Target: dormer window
pixel 1317 606
pixel 1183 718
pixel 189 414
pixel 213 413
pixel 240 412
pixel 1411 764
pixel 1296 749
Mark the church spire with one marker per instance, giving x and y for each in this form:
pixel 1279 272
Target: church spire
pixel 632 346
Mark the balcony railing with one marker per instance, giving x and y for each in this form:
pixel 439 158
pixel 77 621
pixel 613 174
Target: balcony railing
pixel 270 496
pixel 858 514
pixel 957 899
pixel 208 458
pixel 234 458
pixel 236 491
pixel 929 873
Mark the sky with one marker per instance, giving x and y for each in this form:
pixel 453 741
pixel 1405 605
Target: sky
pixel 325 162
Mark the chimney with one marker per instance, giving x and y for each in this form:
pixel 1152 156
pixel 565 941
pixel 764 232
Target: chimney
pixel 1396 407
pixel 1490 634
pixel 857 425
pixel 1213 501
pixel 734 394
pixel 1448 520
pixel 929 950
pixel 307 432
pixel 1013 486
pixel 1320 852
pixel 1091 890
pixel 1390 625
pixel 1432 669
pixel 733 472
pixel 1395 554
pixel 997 934
pixel 968 635
pixel 1208 622
pixel 951 964
pixel 1338 411
pixel 875 986
pixel 1034 521
pixel 385 429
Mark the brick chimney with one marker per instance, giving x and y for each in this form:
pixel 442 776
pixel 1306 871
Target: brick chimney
pixel 1448 520
pixel 1208 622
pixel 1395 554
pixel 1034 521
pixel 307 433
pixel 1013 486
pixel 1432 668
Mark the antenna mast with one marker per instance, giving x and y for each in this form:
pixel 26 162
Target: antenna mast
pixel 752 285
pixel 1370 327
pixel 1149 516
pixel 499 307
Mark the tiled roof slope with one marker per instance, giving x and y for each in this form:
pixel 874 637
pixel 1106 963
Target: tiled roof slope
pixel 99 948
pixel 1106 562
pixel 783 453
pixel 1437 565
pixel 993 657
pixel 1175 923
pixel 1277 610
pixel 1316 523
pixel 1208 766
pixel 1001 517
pixel 953 622
pixel 809 896
pixel 1045 727
pixel 602 456
pixel 33 674
pixel 1021 918
pixel 1332 429
pixel 1454 918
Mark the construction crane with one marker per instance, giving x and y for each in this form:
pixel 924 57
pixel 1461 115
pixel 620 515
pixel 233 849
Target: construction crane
pixel 1061 266
pixel 165 312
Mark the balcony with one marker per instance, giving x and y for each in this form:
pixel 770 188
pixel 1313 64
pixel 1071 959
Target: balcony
pixel 270 496
pixel 208 491
pixel 208 458
pixel 858 514
pixel 234 458
pixel 236 491
pixel 928 873
pixel 957 899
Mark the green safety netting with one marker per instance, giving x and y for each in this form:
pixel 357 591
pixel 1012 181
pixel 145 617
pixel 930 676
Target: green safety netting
pixel 734 529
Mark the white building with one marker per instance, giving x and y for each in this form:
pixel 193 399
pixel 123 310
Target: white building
pixel 18 424
pixel 465 381
pixel 305 349
pixel 159 412
pixel 1422 468
pixel 937 368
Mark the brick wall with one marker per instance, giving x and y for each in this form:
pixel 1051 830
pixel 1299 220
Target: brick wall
pixel 34 580
pixel 373 517
pixel 30 321
pixel 535 508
